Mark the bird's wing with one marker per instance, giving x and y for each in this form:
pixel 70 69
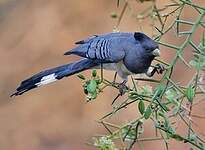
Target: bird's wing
pixel 102 49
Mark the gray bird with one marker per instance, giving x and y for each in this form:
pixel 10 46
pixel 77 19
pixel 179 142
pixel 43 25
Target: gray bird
pixel 124 52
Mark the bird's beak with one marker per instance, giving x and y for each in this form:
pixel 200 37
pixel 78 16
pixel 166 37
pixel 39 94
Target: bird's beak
pixel 156 52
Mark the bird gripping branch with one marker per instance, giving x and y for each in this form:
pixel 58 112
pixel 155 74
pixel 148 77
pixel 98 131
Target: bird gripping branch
pixel 123 52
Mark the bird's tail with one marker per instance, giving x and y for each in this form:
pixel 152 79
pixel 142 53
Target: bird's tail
pixel 53 74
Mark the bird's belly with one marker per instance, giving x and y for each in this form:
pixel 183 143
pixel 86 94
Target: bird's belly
pixel 119 67
pixel 110 66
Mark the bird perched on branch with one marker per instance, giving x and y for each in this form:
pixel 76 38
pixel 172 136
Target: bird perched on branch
pixel 124 52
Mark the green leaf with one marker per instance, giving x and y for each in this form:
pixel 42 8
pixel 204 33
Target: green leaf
pixel 172 95
pixel 133 95
pixel 203 40
pixel 176 137
pixel 98 80
pixel 148 112
pixel 190 93
pixel 193 137
pixel 146 90
pixel 94 73
pixel 158 91
pixel 128 133
pixel 198 61
pixel 141 107
pixel 91 87
pixel 81 76
pixel 202 146
pixel 176 110
pixel 195 64
pixel 94 96
pixel 170 132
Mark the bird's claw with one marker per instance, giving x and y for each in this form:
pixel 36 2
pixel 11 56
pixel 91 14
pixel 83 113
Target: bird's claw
pixel 123 88
pixel 159 68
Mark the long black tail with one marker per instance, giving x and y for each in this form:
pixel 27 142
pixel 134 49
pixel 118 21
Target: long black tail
pixel 53 74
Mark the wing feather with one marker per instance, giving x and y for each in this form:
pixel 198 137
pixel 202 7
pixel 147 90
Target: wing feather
pixel 102 49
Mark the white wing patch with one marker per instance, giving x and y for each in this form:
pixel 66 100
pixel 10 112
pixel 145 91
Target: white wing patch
pixel 47 79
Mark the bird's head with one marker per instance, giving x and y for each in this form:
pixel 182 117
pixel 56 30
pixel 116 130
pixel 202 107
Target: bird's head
pixel 148 45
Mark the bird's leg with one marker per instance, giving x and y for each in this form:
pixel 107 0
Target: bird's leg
pixel 114 79
pixel 101 71
pixel 159 68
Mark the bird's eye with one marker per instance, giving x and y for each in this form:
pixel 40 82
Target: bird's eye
pixel 147 49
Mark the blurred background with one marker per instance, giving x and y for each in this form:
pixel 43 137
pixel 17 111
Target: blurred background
pixel 34 35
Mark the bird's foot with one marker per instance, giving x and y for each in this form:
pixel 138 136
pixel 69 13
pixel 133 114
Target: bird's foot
pixel 123 87
pixel 159 68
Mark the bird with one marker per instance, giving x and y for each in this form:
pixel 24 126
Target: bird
pixel 127 53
